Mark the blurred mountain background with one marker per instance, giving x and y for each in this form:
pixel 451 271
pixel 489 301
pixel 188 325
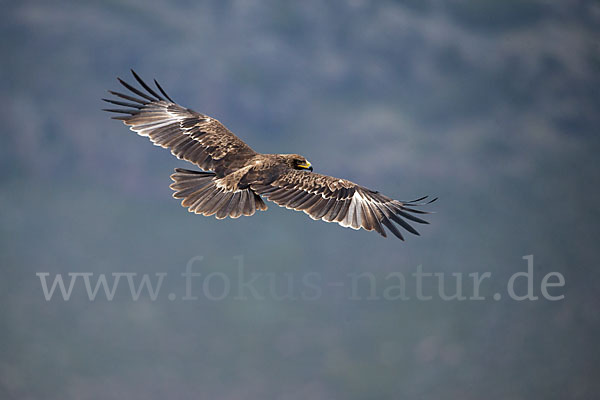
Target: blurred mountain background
pixel 492 105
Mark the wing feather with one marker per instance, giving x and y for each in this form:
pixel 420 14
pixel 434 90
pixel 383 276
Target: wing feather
pixel 189 135
pixel 338 200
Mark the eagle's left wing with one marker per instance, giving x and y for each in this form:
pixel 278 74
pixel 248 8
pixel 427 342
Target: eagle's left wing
pixel 339 200
pixel 189 135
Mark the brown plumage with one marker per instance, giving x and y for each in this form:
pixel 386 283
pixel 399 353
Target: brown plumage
pixel 235 177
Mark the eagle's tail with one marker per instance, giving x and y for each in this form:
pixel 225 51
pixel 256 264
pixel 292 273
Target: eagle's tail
pixel 201 195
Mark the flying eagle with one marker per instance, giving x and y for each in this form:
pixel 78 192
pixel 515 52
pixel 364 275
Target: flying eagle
pixel 235 178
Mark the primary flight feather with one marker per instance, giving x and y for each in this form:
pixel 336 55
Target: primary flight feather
pixel 235 178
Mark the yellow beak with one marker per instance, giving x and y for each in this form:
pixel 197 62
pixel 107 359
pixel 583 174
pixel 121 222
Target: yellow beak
pixel 306 166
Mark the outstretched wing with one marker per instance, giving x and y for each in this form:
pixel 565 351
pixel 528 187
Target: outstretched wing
pixel 189 135
pixel 338 200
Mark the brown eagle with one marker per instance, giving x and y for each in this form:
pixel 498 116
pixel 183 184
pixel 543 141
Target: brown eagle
pixel 235 178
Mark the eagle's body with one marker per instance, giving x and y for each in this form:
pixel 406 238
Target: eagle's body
pixel 237 177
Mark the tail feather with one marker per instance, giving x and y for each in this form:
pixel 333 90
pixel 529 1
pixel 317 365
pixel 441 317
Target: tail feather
pixel 202 195
pixel 233 209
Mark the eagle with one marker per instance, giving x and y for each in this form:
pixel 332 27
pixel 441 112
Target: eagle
pixel 234 179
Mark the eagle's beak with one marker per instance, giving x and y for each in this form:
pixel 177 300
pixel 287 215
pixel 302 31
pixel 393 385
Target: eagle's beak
pixel 307 166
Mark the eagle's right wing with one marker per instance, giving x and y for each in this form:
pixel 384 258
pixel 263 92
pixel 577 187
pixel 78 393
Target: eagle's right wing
pixel 189 135
pixel 339 200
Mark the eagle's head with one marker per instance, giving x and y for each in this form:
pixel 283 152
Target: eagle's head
pixel 296 161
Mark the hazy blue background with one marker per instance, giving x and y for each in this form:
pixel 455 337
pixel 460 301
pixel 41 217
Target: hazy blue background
pixel 491 105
